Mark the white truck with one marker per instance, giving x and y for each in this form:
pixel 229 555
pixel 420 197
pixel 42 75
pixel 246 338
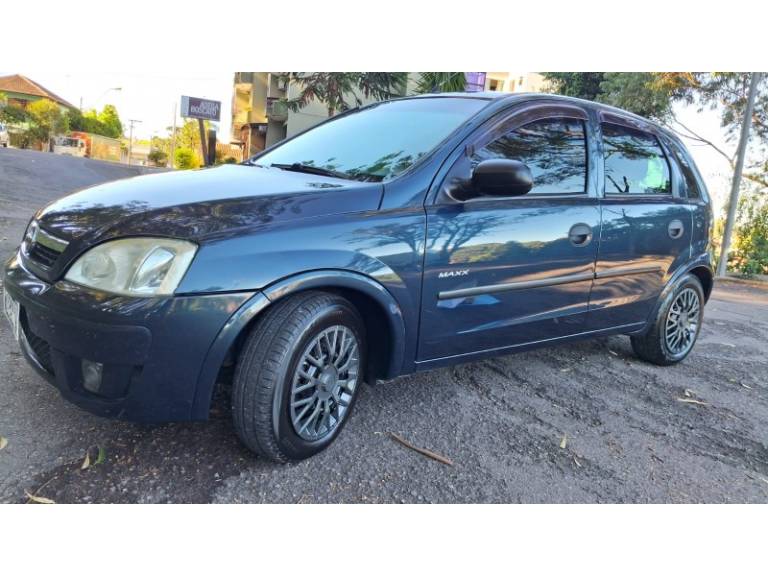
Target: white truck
pixel 69 146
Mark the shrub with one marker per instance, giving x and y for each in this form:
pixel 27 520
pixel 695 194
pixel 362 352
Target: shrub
pixel 157 157
pixel 750 256
pixel 185 159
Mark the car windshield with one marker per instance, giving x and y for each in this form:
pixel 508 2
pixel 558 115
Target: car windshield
pixel 374 144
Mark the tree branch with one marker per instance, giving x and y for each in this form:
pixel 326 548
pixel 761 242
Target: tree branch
pixel 694 136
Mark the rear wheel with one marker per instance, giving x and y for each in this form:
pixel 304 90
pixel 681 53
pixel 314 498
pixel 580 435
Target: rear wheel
pixel 297 376
pixel 676 326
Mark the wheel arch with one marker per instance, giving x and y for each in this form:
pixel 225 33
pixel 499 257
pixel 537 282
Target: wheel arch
pixel 705 276
pixel 377 306
pixel 701 268
pixel 386 344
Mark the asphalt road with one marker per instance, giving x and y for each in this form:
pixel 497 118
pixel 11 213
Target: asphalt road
pixel 629 437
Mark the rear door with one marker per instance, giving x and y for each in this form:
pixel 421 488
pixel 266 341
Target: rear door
pixel 646 224
pixel 501 272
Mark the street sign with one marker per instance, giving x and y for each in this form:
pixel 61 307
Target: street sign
pixel 200 108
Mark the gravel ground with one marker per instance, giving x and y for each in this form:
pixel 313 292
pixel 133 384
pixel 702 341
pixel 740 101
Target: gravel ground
pixel 584 422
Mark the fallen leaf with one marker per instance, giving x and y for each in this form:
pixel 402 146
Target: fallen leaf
pixel 692 401
pixel 3 442
pixel 423 451
pixel 101 457
pixel 38 499
pixel 745 386
pixel 564 442
pixel 576 461
pixel 86 462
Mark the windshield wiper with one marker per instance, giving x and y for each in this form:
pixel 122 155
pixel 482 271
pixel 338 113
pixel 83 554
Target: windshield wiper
pixel 308 169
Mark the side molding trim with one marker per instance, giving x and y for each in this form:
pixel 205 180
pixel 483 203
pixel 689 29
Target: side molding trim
pixel 551 281
pixel 613 272
pixel 507 286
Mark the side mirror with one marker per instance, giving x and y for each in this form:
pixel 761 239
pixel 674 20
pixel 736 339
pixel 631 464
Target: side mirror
pixel 501 177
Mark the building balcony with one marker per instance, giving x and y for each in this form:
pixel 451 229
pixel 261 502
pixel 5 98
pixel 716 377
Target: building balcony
pixel 277 109
pixel 242 117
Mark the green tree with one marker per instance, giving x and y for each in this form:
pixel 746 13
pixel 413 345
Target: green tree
pixel 105 123
pixel 339 91
pixel 584 85
pixel 110 120
pixel 13 115
pixel 727 92
pixel 638 92
pixel 430 82
pixel 47 120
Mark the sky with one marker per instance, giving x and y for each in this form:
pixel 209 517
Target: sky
pixel 151 97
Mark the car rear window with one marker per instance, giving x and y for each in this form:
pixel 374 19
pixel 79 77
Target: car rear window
pixel 634 162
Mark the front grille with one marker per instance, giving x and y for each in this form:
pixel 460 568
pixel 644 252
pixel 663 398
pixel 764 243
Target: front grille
pixel 40 348
pixel 42 247
pixel 43 255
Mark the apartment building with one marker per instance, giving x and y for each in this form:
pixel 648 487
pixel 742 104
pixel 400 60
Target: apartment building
pixel 515 82
pixel 260 117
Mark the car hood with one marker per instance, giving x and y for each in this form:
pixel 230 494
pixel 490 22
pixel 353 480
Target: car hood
pixel 199 203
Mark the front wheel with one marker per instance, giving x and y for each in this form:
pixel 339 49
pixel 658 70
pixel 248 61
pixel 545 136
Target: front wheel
pixel 297 376
pixel 676 326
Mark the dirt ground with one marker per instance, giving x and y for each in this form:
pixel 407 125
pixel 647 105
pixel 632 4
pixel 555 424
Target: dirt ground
pixel 584 422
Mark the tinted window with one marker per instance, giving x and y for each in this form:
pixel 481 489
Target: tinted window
pixel 692 189
pixel 634 162
pixel 554 149
pixel 376 143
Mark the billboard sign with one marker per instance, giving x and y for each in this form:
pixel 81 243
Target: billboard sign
pixel 201 108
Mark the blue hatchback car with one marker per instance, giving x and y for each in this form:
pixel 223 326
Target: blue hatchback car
pixel 398 237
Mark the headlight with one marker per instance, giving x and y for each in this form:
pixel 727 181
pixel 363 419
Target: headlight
pixel 134 266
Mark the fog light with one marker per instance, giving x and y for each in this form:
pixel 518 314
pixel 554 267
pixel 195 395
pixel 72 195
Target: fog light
pixel 91 375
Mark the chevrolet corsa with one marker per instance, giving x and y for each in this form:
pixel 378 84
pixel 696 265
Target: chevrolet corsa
pixel 398 237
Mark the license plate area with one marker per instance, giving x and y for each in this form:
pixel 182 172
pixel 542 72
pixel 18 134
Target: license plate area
pixel 12 312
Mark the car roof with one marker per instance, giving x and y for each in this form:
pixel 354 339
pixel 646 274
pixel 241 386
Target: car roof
pixel 497 98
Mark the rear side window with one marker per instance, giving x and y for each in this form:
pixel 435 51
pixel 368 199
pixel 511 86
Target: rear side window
pixel 553 148
pixel 634 162
pixel 692 188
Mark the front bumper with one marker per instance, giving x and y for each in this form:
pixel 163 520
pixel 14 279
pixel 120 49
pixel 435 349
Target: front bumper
pixel 153 351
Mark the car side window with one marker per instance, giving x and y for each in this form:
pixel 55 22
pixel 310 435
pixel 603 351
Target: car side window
pixel 634 162
pixel 692 189
pixel 553 148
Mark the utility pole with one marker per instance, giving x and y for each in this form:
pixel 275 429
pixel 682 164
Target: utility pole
pixel 130 138
pixel 173 138
pixel 741 152
pixel 203 140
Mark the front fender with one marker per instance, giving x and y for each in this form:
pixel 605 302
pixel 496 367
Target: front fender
pixel 360 283
pixel 260 301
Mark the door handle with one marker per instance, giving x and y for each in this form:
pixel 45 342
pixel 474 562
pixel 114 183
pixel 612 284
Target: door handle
pixel 675 229
pixel 580 234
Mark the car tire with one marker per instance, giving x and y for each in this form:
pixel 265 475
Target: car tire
pixel 307 354
pixel 675 329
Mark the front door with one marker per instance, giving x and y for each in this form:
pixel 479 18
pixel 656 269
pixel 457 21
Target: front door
pixel 646 230
pixel 502 272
